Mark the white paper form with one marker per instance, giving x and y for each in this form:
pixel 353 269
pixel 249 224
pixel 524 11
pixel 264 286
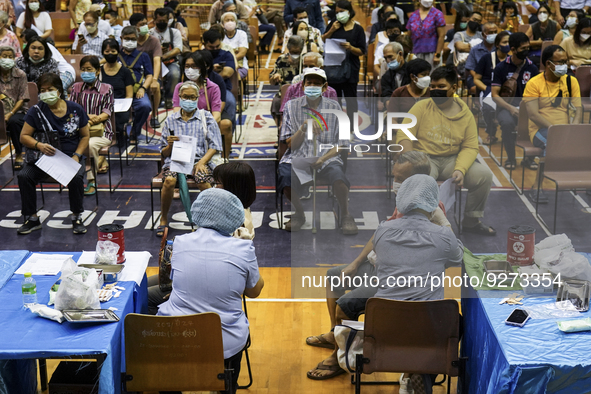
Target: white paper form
pixel 164 70
pixel 60 167
pixel 447 194
pixel 183 155
pixel 301 167
pixel 122 105
pixel 43 264
pixel 334 53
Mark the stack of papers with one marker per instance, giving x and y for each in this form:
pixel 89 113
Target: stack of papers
pixel 43 264
pixel 183 155
pixel 60 167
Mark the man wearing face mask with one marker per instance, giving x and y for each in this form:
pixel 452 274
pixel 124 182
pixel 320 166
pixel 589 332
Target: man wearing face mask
pixel 14 95
pixel 141 70
pixel 463 41
pixel 508 107
pixel 396 75
pixel 171 41
pixel 149 44
pixel 447 132
pixel 103 25
pixel 312 8
pixel 329 165
pixel 392 32
pixel 216 11
pixel 489 33
pixel 90 43
pixel 551 97
pixel 286 68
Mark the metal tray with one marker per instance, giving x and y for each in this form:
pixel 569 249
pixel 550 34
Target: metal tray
pixel 111 272
pixel 90 316
pixel 498 267
pixel 577 291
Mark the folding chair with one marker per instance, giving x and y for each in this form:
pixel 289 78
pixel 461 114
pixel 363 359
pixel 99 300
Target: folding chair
pixel 189 356
pixel 583 75
pixel 106 151
pixel 74 61
pixel 33 94
pixel 522 141
pixel 252 55
pixel 336 208
pixel 5 138
pixel 246 347
pixel 545 44
pixel 567 162
pixel 523 28
pixel 237 93
pixel 412 337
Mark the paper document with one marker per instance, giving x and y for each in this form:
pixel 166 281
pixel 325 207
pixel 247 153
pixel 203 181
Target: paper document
pixel 488 100
pixel 43 264
pixel 334 53
pixel 447 194
pixel 60 167
pixel 183 155
pixel 301 167
pixel 164 70
pixel 122 105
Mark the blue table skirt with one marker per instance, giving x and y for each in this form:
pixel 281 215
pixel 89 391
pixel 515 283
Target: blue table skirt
pixel 537 358
pixel 10 260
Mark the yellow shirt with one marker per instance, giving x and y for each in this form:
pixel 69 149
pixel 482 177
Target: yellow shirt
pixel 546 93
pixel 576 52
pixel 440 135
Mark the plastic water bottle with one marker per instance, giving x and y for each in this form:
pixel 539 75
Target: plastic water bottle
pixel 29 288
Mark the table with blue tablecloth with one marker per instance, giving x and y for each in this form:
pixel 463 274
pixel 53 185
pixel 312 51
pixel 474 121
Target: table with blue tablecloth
pixel 536 358
pixel 25 337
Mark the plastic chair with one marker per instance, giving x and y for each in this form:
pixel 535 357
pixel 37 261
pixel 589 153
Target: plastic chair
pixel 412 337
pixel 74 61
pixel 567 162
pixel 237 92
pixel 583 75
pixel 523 28
pixel 252 54
pixel 187 356
pixel 106 151
pixel 33 94
pixel 522 141
pixel 545 44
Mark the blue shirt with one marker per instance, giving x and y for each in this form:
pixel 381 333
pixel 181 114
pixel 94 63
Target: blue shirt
pixel 312 8
pixel 476 54
pixel 210 273
pixel 175 125
pixel 505 69
pixel 412 246
pixel 143 66
pixel 225 56
pixel 68 127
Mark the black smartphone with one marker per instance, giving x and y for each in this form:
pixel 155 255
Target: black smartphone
pixel 517 318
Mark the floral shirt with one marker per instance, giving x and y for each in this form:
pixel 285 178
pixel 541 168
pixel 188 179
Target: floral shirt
pixel 424 32
pixel 35 71
pixel 10 40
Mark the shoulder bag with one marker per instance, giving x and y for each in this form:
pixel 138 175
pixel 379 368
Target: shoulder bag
pixel 46 136
pixel 510 86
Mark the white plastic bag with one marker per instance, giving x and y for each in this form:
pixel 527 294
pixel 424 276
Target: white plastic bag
pixel 349 341
pixel 46 312
pixel 78 288
pixel 547 252
pixel 106 252
pixel 572 265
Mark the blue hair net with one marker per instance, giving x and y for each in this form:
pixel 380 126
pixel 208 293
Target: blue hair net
pixel 418 192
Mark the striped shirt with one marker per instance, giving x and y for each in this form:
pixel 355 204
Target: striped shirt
pixel 295 114
pixel 93 45
pixel 95 98
pixel 175 125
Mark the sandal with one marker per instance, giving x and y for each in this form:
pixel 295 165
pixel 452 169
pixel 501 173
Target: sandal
pixel 18 165
pixel 320 342
pixel 90 189
pixel 104 169
pixel 530 164
pixel 510 165
pixel 481 229
pixel 335 369
pixel 160 230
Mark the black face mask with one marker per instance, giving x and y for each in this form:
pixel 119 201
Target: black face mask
pixel 214 52
pixel 111 58
pixel 392 37
pixel 474 26
pixel 522 54
pixel 439 96
pixel 162 25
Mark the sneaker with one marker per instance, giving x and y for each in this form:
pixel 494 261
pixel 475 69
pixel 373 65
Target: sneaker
pixel 421 384
pixel 154 123
pixel 78 227
pixel 29 226
pixel 348 226
pixel 405 386
pixel 295 223
pixel 533 196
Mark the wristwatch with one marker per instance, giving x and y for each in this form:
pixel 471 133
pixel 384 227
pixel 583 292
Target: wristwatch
pixel 77 154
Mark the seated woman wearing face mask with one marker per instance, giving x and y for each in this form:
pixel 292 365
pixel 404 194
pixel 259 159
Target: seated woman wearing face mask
pixel 312 43
pixel 97 99
pixel 37 60
pixel 578 46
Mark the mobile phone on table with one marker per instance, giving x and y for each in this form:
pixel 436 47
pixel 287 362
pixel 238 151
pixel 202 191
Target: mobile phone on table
pixel 517 318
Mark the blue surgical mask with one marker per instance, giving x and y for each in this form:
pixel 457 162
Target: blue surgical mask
pixel 313 91
pixel 505 48
pixel 393 65
pixel 88 76
pixel 189 105
pixel 491 38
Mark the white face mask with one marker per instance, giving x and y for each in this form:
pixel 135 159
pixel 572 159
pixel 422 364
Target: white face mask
pixel 584 37
pixel 192 73
pixel 34 7
pixel 543 17
pixel 423 82
pixel 396 187
pixel 305 20
pixel 170 22
pixel 427 3
pixel 303 34
pixel 230 26
pixel 91 29
pixel 129 44
pixel 571 21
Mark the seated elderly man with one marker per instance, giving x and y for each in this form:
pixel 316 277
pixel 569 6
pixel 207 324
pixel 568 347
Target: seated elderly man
pixel 396 74
pixel 207 138
pixel 329 165
pixel 311 59
pixel 286 68
pixel 447 132
pixel 412 245
pixel 14 95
